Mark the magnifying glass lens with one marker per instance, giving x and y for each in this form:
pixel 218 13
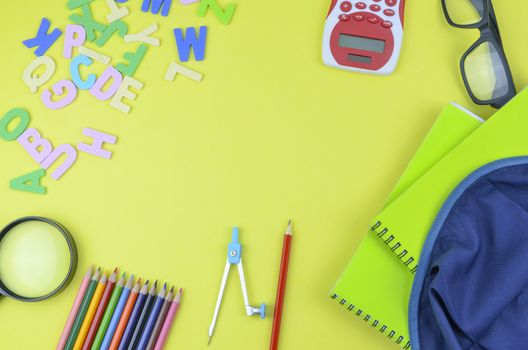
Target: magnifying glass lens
pixel 34 259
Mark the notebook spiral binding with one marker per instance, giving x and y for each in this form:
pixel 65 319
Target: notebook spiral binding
pixel 375 323
pixel 395 246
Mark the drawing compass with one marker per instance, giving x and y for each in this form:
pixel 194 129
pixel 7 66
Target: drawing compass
pixel 234 250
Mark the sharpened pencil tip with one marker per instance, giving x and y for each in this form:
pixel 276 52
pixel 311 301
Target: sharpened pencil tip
pixel 289 229
pixel 172 289
pixel 115 270
pixel 209 342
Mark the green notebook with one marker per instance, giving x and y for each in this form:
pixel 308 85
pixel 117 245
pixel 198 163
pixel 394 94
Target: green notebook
pixel 374 286
pixel 404 224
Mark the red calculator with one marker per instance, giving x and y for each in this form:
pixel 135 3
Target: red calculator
pixel 364 36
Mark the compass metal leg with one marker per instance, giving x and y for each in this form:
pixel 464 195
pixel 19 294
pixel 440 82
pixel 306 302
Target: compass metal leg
pixel 249 309
pixel 219 300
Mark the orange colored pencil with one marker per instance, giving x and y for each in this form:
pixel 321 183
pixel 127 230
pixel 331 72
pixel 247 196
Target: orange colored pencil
pixel 120 329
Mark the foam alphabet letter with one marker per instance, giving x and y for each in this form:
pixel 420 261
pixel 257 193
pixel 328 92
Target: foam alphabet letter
pixel 35 81
pixel 124 92
pixel 156 6
pixel 87 21
pixel 99 139
pixel 109 73
pixel 116 11
pixel 43 40
pixel 224 16
pixel 133 60
pixel 38 147
pixel 175 68
pixel 73 4
pixel 118 26
pixel 144 36
pixel 29 182
pixel 197 44
pixel 74 36
pixel 99 57
pixel 20 113
pixel 76 76
pixel 63 87
pixel 71 156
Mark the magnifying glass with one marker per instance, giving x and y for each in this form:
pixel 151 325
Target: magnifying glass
pixel 38 258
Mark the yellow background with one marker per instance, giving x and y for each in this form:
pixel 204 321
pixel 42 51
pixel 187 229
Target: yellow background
pixel 270 134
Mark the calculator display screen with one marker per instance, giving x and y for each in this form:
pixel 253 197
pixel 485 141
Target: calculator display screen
pixel 361 43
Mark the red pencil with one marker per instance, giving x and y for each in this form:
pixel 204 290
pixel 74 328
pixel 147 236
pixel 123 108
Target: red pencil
pixel 92 331
pixel 281 287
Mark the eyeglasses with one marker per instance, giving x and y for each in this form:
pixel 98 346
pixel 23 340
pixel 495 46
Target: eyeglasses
pixel 484 66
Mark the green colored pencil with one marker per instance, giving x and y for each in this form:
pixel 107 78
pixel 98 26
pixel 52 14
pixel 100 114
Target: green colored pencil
pixel 82 310
pixel 108 313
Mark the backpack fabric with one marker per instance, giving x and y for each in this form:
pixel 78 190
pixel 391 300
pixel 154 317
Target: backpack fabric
pixel 471 287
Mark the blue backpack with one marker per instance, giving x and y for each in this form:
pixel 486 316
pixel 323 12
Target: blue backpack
pixel 471 287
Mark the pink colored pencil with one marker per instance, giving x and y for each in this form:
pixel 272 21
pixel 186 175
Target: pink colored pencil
pixel 164 333
pixel 74 309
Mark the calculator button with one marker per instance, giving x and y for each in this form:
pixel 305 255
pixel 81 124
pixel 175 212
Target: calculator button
pixel 391 2
pixel 361 5
pixel 388 12
pixel 358 17
pixel 346 6
pixel 344 17
pixel 373 20
pixel 386 24
pixel 375 8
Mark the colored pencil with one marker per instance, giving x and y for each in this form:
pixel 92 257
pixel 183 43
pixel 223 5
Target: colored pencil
pixel 160 319
pixel 108 313
pixel 118 311
pixel 164 333
pixel 100 311
pixel 281 287
pixel 82 310
pixel 125 316
pixel 134 316
pixel 151 321
pixel 73 312
pixel 90 313
pixel 143 317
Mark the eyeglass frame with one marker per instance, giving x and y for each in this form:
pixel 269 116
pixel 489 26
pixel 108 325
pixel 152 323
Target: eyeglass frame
pixel 489 32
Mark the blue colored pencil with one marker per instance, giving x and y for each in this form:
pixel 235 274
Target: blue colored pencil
pixel 143 317
pixel 134 317
pixel 117 314
pixel 149 325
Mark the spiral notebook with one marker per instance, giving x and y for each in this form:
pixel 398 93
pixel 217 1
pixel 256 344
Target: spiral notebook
pixel 374 286
pixel 403 225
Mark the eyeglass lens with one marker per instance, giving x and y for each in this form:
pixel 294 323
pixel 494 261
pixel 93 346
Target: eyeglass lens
pixel 485 72
pixel 465 12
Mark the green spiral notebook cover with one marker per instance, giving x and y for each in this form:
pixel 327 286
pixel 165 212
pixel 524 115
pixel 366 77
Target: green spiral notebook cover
pixel 404 224
pixel 374 286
